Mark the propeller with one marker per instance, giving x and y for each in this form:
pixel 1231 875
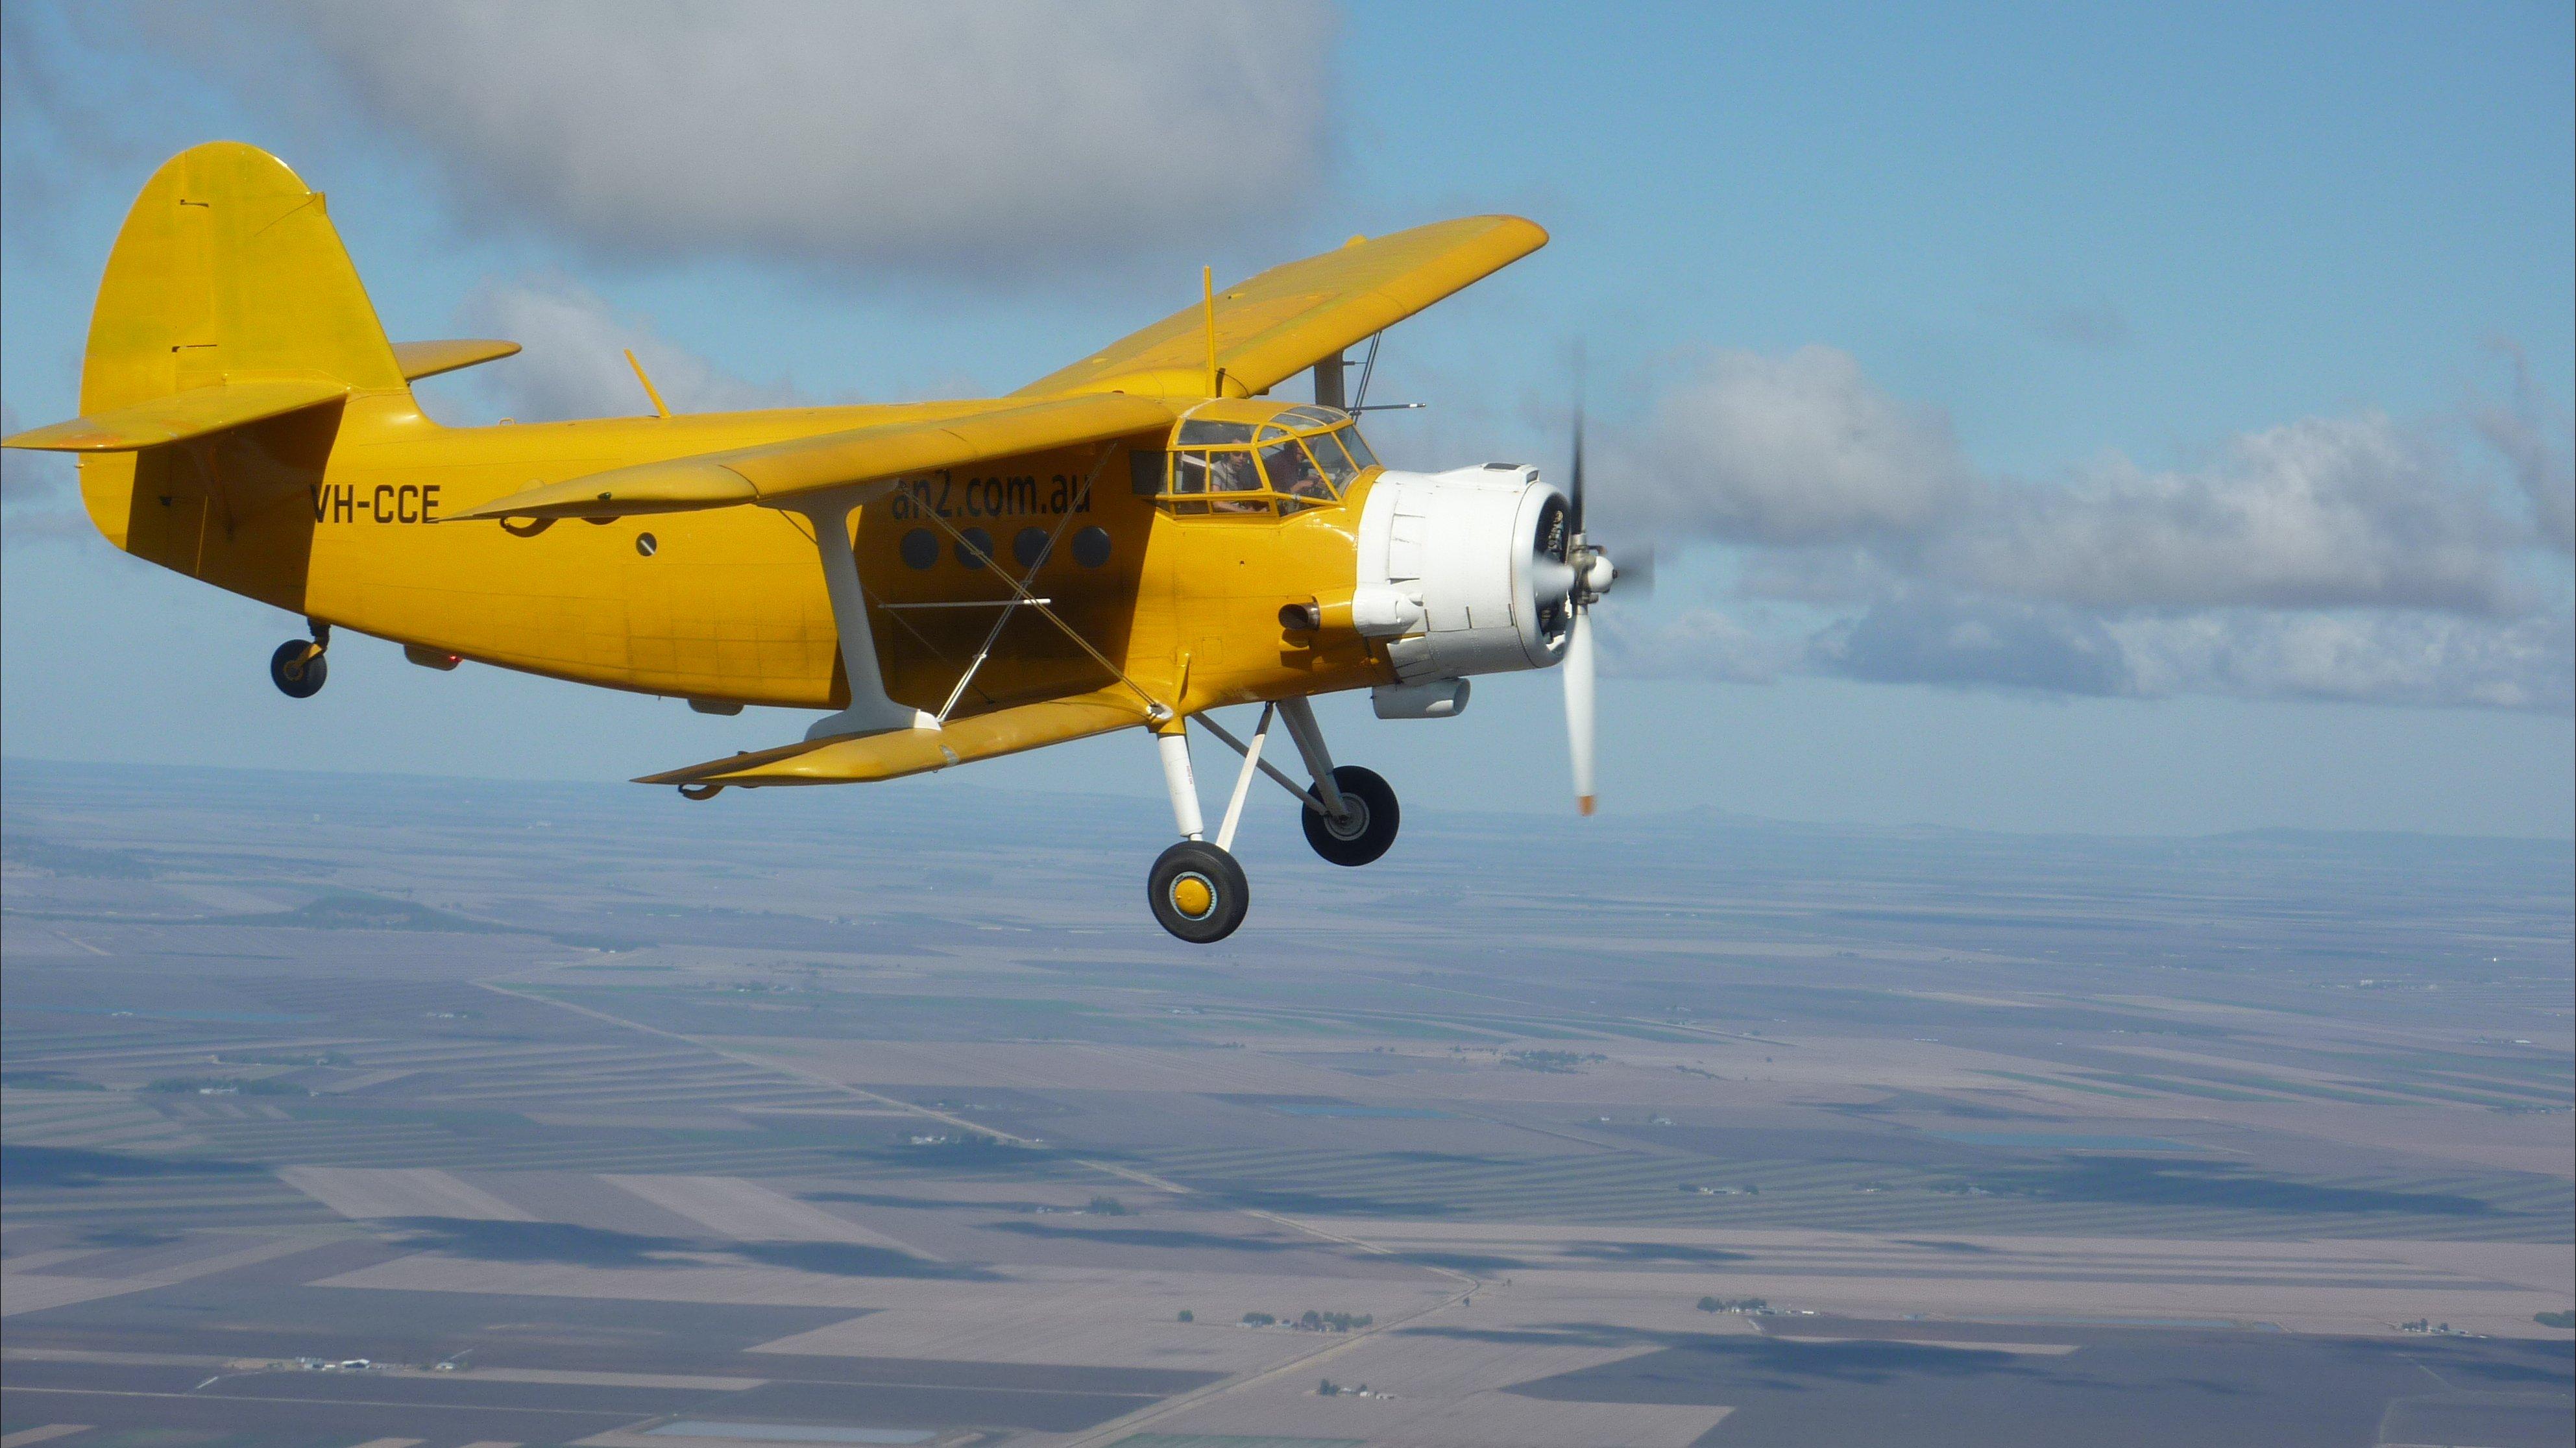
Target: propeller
pixel 1591 576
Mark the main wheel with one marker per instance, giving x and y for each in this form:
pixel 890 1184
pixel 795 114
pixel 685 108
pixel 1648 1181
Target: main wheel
pixel 298 669
pixel 1367 826
pixel 1198 892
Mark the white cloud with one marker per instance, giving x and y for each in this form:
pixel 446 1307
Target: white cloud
pixel 2370 656
pixel 2317 513
pixel 1926 635
pixel 2348 557
pixel 573 362
pixel 851 131
pixel 1791 450
pixel 1919 635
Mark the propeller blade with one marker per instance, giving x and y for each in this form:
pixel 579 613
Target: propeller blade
pixel 1574 483
pixel 1578 706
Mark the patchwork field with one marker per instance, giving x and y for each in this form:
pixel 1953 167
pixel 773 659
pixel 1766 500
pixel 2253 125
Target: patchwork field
pixel 339 1111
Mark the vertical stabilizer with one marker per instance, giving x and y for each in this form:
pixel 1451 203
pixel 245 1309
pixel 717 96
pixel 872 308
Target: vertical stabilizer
pixel 228 269
pixel 228 272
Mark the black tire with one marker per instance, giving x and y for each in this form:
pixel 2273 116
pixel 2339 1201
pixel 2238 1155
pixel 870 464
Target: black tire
pixel 1367 830
pixel 1198 892
pixel 296 676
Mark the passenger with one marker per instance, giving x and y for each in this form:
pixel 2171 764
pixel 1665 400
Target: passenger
pixel 1233 472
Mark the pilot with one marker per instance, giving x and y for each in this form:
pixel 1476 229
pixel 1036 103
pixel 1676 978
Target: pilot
pixel 1293 473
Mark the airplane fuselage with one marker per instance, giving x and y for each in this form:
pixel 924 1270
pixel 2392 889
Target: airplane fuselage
pixel 343 515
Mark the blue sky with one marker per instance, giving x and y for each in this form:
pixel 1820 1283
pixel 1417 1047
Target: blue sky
pixel 2087 418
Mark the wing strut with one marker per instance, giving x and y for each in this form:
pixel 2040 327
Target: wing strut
pixel 870 711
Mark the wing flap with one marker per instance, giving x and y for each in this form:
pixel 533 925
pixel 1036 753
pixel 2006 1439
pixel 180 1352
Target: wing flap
pixel 427 359
pixel 918 751
pixel 778 473
pixel 182 415
pixel 1288 318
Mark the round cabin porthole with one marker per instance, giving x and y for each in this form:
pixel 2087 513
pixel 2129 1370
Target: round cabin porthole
pixel 919 548
pixel 976 547
pixel 1091 546
pixel 645 544
pixel 1029 546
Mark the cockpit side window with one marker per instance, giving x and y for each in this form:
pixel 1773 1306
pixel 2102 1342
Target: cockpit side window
pixel 1284 461
pixel 1232 472
pixel 1292 472
pixel 1360 453
pixel 1329 456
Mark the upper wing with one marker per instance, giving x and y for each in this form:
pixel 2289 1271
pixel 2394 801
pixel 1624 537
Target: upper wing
pixel 915 751
pixel 779 472
pixel 1290 317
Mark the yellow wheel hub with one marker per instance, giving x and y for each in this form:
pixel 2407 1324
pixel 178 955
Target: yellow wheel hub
pixel 1193 896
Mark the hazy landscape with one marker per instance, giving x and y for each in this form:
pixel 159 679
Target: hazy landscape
pixel 392 1110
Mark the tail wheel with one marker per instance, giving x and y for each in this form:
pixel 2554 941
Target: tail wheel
pixel 1198 892
pixel 298 668
pixel 1368 823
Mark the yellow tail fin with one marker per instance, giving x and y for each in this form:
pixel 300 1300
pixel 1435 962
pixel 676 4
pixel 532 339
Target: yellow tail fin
pixel 228 270
pixel 229 305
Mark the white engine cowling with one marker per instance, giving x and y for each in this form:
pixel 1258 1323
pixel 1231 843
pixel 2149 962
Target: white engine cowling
pixel 1479 553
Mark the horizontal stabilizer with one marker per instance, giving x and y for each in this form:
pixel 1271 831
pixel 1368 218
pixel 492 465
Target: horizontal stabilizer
pixel 900 752
pixel 779 473
pixel 427 359
pixel 181 416
pixel 1290 317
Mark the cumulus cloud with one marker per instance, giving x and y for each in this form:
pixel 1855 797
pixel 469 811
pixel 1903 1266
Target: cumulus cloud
pixel 2350 557
pixel 2317 513
pixel 1792 450
pixel 573 358
pixel 846 131
pixel 1926 635
pixel 2367 656
pixel 1932 636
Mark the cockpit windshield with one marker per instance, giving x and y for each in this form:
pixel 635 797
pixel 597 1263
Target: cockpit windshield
pixel 1254 457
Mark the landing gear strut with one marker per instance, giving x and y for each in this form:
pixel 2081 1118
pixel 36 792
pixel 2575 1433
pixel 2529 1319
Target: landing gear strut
pixel 298 668
pixel 1197 889
pixel 1351 817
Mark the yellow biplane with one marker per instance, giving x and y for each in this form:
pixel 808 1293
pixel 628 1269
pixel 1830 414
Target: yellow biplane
pixel 1132 541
